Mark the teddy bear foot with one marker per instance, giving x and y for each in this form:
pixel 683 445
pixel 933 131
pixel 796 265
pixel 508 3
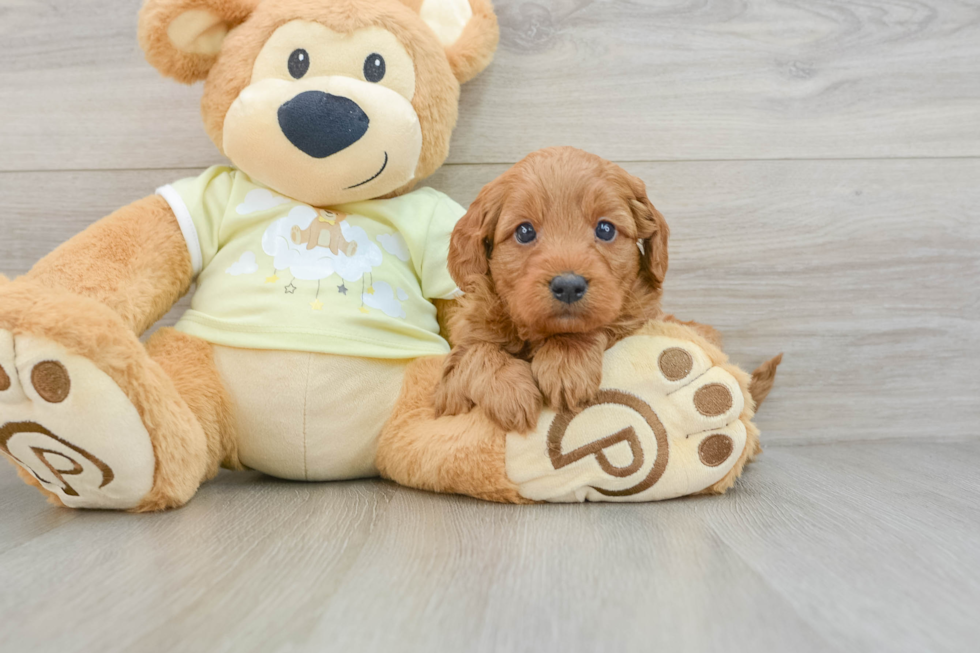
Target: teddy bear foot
pixel 670 420
pixel 70 426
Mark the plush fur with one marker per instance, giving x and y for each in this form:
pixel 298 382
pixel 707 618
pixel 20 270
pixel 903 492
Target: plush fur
pixel 96 293
pixel 135 262
pixel 155 20
pixel 189 362
pixel 466 454
pixel 473 51
pixel 719 358
pixel 439 71
pixel 99 334
pixel 460 455
pixel 763 379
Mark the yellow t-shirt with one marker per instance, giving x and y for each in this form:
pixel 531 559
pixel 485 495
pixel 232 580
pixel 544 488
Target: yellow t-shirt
pixel 273 273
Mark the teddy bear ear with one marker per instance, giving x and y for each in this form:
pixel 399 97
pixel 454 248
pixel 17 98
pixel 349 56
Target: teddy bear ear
pixel 182 38
pixel 467 29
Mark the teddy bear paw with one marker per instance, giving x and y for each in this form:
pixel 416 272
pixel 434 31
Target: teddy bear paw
pixel 667 422
pixel 71 427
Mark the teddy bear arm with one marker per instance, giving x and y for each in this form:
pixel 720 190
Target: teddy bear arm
pixel 135 261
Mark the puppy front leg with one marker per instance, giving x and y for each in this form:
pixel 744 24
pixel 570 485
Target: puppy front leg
pixel 452 396
pixel 568 369
pixel 488 377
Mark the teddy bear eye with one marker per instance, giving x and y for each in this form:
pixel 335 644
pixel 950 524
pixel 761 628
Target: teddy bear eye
pixel 525 233
pixel 299 63
pixel 374 68
pixel 605 230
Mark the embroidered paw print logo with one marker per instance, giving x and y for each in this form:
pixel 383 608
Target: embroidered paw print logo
pixel 627 435
pixel 37 448
pixel 64 421
pixel 62 462
pixel 666 423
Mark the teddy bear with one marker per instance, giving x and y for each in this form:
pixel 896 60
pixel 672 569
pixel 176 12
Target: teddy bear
pixel 317 327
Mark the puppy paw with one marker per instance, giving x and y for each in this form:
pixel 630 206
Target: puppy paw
pixel 567 392
pixel 451 399
pixel 513 400
pixel 568 377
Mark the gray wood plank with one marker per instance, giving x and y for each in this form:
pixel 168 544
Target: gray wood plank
pixel 863 273
pixel 819 548
pixel 891 531
pixel 633 81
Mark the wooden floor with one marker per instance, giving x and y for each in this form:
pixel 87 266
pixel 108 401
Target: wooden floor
pixel 819 165
pixel 843 547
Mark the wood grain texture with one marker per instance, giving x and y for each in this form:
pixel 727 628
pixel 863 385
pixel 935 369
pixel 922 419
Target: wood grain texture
pixel 630 80
pixel 862 272
pixel 862 267
pixel 846 547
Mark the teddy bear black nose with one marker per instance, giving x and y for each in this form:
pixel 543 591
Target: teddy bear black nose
pixel 569 288
pixel 320 124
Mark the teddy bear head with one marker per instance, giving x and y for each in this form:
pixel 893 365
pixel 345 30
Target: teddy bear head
pixel 325 101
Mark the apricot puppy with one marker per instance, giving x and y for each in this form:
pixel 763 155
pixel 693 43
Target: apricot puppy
pixel 559 258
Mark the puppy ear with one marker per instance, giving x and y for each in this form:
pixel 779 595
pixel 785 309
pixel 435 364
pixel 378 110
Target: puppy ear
pixel 467 29
pixel 182 38
pixel 653 232
pixel 471 244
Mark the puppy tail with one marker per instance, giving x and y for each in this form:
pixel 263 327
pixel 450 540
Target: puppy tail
pixel 763 379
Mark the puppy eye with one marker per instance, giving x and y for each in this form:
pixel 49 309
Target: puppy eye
pixel 374 68
pixel 525 233
pixel 299 63
pixel 605 230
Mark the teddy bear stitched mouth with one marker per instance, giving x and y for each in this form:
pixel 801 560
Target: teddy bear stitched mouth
pixel 373 177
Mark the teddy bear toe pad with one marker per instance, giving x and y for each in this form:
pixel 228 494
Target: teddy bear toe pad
pixel 666 423
pixel 71 427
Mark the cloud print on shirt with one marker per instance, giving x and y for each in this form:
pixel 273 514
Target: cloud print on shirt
pixel 260 199
pixel 395 245
pixel 319 262
pixel 246 265
pixel 384 300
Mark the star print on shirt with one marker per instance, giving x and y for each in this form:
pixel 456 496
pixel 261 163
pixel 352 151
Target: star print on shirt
pixel 291 288
pixel 342 289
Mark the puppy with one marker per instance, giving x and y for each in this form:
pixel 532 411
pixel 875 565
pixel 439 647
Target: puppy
pixel 559 258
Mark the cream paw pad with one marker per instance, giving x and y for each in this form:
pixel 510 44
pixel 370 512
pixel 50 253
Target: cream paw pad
pixel 671 419
pixel 71 427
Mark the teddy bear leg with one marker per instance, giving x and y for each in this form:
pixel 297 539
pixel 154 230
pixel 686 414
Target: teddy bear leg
pixel 461 454
pixel 190 364
pixel 86 413
pixel 672 418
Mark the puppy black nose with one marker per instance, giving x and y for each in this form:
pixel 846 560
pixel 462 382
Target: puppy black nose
pixel 569 288
pixel 320 124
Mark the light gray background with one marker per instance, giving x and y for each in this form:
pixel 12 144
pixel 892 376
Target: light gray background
pixel 819 165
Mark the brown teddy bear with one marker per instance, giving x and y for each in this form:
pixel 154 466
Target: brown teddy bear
pixel 311 347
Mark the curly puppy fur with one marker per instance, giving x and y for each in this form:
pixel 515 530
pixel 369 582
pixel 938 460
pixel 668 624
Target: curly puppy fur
pixel 516 341
pixel 516 344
